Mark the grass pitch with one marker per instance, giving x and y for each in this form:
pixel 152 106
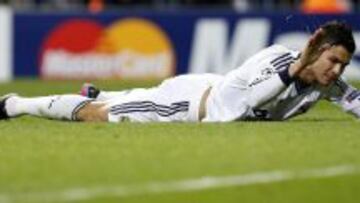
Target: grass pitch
pixel 42 160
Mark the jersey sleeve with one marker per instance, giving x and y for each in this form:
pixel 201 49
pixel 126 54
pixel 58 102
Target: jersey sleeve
pixel 346 96
pixel 235 99
pixel 256 82
pixel 273 77
pixel 269 88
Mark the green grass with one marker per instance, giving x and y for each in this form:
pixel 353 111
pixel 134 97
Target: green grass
pixel 38 155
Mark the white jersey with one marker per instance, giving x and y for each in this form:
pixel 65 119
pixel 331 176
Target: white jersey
pixel 261 90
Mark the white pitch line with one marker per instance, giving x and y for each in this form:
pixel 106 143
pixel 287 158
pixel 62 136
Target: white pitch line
pixel 86 193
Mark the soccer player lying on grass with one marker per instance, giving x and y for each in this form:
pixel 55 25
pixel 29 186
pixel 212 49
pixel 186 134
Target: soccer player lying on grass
pixel 275 84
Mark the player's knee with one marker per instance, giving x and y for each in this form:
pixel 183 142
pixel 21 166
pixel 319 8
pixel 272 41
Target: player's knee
pixel 93 112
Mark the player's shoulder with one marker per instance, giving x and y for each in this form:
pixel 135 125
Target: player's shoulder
pixel 278 49
pixel 276 56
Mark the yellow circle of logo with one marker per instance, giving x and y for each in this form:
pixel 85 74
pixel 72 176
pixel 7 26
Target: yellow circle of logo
pixel 142 45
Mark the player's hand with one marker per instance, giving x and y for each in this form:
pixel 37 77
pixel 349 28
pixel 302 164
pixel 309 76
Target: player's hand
pixel 310 54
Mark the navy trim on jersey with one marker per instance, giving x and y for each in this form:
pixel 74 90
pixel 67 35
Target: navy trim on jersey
pixel 342 85
pixel 279 58
pixel 282 61
pixel 355 94
pixel 301 86
pixel 285 77
pixel 149 106
pixel 286 65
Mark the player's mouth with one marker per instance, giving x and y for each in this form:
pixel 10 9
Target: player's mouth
pixel 327 79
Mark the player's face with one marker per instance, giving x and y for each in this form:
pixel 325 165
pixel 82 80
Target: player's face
pixel 330 65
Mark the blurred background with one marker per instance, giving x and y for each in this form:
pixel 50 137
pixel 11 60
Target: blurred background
pixel 238 5
pixel 141 39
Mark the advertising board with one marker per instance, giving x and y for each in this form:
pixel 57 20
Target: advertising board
pixel 156 44
pixel 5 44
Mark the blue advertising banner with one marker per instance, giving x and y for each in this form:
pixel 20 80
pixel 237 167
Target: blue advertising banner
pixel 155 44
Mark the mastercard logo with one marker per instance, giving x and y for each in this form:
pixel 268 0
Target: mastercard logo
pixel 128 48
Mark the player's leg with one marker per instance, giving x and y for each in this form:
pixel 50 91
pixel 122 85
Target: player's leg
pixel 62 107
pixel 91 91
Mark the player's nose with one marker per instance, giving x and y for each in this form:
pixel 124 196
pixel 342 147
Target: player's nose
pixel 337 70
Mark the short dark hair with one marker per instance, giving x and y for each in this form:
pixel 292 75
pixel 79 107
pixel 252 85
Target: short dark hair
pixel 339 33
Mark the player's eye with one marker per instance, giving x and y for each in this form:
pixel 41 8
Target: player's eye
pixel 334 60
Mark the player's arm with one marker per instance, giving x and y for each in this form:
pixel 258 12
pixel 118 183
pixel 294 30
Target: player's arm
pixel 274 85
pixel 264 91
pixel 310 54
pixel 346 96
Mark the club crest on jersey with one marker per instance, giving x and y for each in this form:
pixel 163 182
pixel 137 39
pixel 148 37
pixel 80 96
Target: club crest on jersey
pixel 265 74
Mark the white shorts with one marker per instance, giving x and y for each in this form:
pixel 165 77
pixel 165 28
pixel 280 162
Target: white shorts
pixel 175 99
